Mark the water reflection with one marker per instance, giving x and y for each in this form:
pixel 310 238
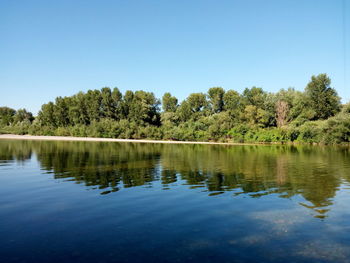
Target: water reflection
pixel 313 173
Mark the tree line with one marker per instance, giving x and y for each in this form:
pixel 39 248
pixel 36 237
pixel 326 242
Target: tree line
pixel 315 115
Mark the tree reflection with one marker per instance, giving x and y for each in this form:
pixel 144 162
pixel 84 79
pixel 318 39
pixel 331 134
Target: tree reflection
pixel 315 173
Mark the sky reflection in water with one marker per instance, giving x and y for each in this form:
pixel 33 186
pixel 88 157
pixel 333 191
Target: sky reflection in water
pixel 93 201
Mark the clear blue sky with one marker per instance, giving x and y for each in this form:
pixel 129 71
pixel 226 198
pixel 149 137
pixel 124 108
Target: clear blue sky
pixel 57 48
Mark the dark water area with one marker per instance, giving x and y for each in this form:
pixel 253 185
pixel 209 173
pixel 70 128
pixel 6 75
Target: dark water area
pixel 134 202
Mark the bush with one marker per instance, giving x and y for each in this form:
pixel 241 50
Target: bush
pixel 63 131
pixel 217 127
pixel 310 132
pixel 238 133
pixel 337 129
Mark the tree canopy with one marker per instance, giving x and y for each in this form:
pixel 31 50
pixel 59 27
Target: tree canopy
pixel 254 115
pixel 323 99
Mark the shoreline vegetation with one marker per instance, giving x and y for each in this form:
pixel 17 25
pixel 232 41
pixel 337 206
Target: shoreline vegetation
pixel 314 116
pixel 98 139
pixel 92 139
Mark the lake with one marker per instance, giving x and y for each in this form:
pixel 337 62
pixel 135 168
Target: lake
pixel 134 202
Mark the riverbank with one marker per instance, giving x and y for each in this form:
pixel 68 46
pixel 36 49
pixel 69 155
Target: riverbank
pixel 92 139
pixel 95 139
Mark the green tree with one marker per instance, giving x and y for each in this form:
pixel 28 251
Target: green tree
pixel 184 111
pixel 107 105
pixel 216 99
pixel 323 99
pixel 197 101
pixel 117 99
pixel 23 115
pixel 232 101
pixel 127 102
pixel 46 115
pixel 61 112
pixel 295 104
pixel 250 114
pixel 144 108
pixel 6 115
pixel 93 105
pixel 254 96
pixel 78 113
pixel 263 118
pixel 169 102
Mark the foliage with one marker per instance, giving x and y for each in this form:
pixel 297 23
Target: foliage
pixel 169 102
pixel 6 116
pixel 322 98
pixel 312 116
pixel 216 99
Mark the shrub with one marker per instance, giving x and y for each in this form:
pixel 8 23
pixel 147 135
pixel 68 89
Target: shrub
pixel 310 132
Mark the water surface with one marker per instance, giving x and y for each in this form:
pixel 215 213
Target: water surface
pixel 134 202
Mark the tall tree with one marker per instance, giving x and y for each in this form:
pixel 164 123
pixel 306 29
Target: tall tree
pixel 61 112
pixel 23 115
pixel 107 102
pixel 127 102
pixel 117 99
pixel 93 105
pixel 46 115
pixel 169 103
pixel 81 105
pixel 295 100
pixel 254 96
pixel 144 108
pixel 197 101
pixel 323 99
pixel 184 111
pixel 231 101
pixel 216 99
pixel 6 115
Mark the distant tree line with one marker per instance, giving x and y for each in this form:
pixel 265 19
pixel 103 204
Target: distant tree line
pixel 315 115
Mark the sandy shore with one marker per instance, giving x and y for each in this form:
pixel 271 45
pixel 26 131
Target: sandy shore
pixel 90 139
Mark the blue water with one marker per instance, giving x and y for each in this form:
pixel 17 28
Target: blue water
pixel 123 202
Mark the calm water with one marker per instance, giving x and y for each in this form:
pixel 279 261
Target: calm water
pixel 123 202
